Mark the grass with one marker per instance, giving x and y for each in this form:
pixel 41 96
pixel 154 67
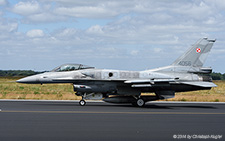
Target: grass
pixel 9 89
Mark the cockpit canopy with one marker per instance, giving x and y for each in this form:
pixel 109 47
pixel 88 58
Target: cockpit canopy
pixel 71 67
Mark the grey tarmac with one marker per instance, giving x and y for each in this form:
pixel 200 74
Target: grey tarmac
pixel 66 120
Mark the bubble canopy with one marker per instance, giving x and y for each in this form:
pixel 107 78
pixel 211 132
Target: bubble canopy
pixel 71 67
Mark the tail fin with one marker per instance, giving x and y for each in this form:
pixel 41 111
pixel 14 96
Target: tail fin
pixel 196 55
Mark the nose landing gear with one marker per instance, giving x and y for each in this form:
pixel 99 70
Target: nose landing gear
pixel 89 96
pixel 82 102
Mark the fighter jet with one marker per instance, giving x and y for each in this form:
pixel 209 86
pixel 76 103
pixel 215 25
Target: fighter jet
pixel 186 73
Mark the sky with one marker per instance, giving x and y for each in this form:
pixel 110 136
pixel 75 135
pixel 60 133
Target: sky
pixel 115 34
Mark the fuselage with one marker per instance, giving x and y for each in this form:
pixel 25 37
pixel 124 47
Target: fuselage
pixel 116 78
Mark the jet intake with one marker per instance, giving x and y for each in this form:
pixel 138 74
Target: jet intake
pixel 92 88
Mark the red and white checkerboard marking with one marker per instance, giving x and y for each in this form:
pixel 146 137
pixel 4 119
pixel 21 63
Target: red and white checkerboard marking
pixel 198 50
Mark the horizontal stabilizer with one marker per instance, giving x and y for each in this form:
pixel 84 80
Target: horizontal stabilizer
pixel 200 84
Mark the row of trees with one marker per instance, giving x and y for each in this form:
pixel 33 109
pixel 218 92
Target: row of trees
pixel 218 76
pixel 17 73
pixel 23 73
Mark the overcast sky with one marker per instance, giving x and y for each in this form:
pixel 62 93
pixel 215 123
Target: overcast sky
pixel 115 34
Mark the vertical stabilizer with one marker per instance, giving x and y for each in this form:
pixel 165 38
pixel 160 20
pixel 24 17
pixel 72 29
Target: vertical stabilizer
pixel 196 55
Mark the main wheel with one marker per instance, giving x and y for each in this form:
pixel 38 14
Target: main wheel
pixel 140 102
pixel 82 102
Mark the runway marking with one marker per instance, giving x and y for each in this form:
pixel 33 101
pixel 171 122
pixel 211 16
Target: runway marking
pixel 97 101
pixel 91 112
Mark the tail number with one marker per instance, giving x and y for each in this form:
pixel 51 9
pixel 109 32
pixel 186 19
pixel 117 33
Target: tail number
pixel 185 63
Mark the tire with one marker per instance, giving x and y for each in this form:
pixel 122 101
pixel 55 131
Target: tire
pixel 82 102
pixel 140 102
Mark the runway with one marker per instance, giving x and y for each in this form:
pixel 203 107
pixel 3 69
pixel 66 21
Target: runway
pixel 66 120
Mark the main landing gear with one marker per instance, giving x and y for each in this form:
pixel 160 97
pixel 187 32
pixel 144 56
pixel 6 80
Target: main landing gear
pixel 139 102
pixel 88 96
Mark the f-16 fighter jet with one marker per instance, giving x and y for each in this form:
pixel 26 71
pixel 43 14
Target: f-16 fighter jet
pixel 186 73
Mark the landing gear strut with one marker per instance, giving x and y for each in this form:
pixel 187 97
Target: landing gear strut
pixel 82 102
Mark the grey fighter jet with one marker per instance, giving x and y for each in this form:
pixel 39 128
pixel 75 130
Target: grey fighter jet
pixel 117 86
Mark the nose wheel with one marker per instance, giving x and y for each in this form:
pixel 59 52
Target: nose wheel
pixel 82 102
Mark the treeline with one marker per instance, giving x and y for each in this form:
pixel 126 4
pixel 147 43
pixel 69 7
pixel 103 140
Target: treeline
pixel 17 73
pixel 217 76
pixel 23 73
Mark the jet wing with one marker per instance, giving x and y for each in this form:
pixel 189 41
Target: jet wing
pixel 152 81
pixel 200 84
pixel 139 82
pixel 166 82
pixel 149 82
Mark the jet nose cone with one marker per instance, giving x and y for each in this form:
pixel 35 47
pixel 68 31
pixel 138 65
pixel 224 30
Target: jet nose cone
pixel 20 80
pixel 29 80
